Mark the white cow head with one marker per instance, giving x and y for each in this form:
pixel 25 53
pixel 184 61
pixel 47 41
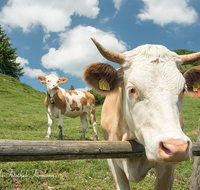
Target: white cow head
pixel 153 89
pixel 52 82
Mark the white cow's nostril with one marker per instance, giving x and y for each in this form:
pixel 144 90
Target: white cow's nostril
pixel 166 150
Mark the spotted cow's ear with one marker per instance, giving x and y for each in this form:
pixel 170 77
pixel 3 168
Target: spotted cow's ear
pixel 192 76
pixel 62 80
pixel 42 79
pixel 102 77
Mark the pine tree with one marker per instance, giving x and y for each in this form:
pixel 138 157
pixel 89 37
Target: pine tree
pixel 8 57
pixel 72 87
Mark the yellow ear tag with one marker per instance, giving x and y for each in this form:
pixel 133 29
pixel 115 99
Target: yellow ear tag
pixel 103 85
pixel 195 86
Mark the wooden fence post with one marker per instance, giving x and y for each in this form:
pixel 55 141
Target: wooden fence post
pixel 195 177
pixel 23 150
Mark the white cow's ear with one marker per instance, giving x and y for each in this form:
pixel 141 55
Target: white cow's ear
pixel 42 79
pixel 102 77
pixel 62 80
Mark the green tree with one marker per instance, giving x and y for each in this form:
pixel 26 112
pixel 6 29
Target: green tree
pixel 8 57
pixel 72 87
pixel 99 100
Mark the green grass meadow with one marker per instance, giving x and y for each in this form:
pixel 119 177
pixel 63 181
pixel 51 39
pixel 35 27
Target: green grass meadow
pixel 23 117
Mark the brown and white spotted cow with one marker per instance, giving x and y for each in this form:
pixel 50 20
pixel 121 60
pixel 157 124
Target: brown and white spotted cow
pixel 143 103
pixel 60 102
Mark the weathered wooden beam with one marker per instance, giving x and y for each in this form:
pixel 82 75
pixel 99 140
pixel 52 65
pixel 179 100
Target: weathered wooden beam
pixel 195 179
pixel 23 150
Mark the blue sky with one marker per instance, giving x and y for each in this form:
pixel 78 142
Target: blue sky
pixel 53 36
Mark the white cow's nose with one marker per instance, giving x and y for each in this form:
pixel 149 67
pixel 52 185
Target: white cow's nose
pixel 55 86
pixel 174 150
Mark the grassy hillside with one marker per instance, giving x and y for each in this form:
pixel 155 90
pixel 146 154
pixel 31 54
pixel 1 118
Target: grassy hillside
pixel 23 116
pixel 23 109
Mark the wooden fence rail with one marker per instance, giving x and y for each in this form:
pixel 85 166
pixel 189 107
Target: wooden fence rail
pixel 24 150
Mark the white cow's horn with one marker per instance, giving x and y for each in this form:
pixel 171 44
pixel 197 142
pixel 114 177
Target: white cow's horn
pixel 108 54
pixel 190 58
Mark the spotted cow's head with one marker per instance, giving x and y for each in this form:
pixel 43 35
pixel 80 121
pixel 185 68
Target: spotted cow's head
pixel 52 82
pixel 153 89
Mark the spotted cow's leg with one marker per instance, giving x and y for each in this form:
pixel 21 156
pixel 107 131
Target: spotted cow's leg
pixel 93 121
pixel 84 122
pixel 60 126
pixel 50 123
pixel 164 176
pixel 119 176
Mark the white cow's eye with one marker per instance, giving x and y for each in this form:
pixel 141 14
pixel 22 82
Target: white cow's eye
pixel 132 90
pixel 48 81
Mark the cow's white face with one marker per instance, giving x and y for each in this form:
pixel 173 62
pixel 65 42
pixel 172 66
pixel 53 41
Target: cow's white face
pixel 52 82
pixel 153 95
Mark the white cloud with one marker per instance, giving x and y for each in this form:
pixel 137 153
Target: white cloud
pixel 22 61
pixel 45 37
pixel 46 47
pixel 77 49
pixel 190 43
pixel 164 12
pixel 53 15
pixel 117 3
pixel 105 20
pixel 83 89
pixel 32 73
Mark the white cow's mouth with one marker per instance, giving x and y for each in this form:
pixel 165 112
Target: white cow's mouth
pixel 55 88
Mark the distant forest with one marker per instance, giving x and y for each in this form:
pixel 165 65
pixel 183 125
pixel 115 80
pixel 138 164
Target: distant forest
pixel 99 100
